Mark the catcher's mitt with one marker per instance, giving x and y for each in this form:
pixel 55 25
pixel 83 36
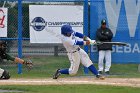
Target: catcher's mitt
pixel 29 64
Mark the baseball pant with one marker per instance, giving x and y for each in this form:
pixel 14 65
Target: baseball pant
pixel 76 58
pixel 107 55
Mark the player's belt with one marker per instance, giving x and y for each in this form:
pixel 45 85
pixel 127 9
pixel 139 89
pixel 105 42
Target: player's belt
pixel 76 50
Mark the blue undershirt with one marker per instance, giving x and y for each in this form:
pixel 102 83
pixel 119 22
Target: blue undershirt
pixel 80 35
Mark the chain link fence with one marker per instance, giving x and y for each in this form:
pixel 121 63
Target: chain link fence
pixel 29 50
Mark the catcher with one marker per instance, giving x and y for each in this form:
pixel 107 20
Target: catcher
pixel 4 74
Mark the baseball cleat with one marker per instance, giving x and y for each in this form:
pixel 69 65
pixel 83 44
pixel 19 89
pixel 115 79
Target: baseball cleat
pixel 100 77
pixel 57 74
pixel 100 72
pixel 107 73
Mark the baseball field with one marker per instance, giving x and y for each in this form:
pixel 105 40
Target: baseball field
pixel 36 29
pixel 124 78
pixel 70 89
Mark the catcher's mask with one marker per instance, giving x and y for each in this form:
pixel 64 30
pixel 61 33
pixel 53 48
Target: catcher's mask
pixel 3 45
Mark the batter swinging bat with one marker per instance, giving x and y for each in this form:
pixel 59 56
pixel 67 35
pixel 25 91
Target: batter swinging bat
pixel 113 43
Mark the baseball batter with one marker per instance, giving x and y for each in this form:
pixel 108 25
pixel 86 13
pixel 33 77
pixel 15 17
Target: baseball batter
pixel 75 53
pixel 4 74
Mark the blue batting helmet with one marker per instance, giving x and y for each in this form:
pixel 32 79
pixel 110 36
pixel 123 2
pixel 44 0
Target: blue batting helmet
pixel 65 29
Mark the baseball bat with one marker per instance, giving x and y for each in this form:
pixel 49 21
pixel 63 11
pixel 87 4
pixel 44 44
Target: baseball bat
pixel 113 43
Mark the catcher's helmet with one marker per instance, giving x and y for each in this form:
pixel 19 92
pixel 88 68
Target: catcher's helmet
pixel 66 29
pixel 3 46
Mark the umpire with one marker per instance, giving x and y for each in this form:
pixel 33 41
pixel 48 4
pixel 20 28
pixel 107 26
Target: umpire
pixel 104 34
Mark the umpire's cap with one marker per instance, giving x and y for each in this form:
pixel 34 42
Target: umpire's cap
pixel 66 29
pixel 103 22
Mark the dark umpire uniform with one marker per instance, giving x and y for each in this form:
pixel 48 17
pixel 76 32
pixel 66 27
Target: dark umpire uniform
pixel 104 34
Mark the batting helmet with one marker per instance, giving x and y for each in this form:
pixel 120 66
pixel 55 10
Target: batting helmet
pixel 66 29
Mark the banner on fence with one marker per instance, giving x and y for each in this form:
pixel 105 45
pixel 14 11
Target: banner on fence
pixel 3 22
pixel 123 18
pixel 46 21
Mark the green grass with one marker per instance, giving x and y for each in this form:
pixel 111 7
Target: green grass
pixel 72 89
pixel 45 67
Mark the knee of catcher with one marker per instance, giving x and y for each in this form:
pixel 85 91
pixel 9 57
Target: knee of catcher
pixel 5 74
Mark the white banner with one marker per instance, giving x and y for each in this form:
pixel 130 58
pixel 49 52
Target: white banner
pixel 3 22
pixel 46 21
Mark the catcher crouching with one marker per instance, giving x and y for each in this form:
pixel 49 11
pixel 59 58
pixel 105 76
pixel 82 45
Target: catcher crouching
pixel 4 74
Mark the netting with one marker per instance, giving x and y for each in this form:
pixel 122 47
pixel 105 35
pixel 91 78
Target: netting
pixel 29 50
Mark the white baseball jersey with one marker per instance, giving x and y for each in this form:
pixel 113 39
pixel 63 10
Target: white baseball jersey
pixel 74 54
pixel 69 43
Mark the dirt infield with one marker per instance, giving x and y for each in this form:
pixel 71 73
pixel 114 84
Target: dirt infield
pixel 133 82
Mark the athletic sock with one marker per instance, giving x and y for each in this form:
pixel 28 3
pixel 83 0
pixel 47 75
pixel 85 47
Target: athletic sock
pixel 93 69
pixel 64 71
